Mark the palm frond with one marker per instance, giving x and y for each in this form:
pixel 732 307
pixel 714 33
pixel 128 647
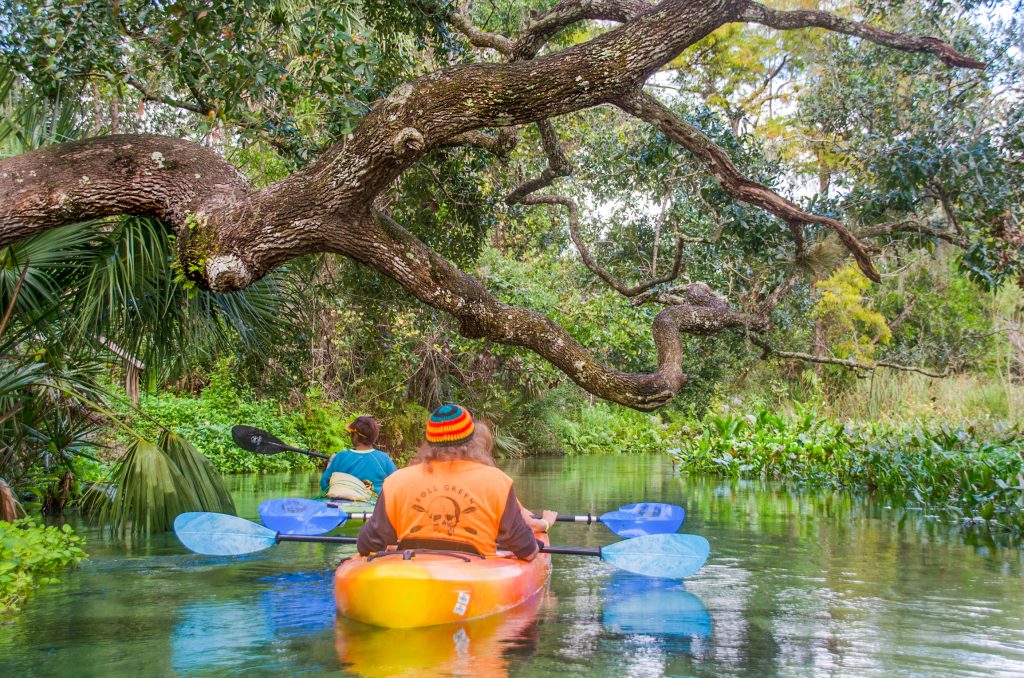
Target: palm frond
pixel 153 484
pixel 144 495
pixel 29 121
pixel 52 257
pixel 197 472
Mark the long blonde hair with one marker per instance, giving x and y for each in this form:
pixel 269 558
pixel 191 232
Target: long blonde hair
pixel 477 449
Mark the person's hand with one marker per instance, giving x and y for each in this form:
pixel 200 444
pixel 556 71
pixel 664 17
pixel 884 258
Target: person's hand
pixel 549 517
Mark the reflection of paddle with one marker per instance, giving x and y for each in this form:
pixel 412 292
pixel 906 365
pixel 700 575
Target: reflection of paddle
pixel 305 516
pixel 261 442
pixel 652 607
pixel 669 556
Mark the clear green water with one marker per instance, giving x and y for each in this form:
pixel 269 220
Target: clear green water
pixel 798 584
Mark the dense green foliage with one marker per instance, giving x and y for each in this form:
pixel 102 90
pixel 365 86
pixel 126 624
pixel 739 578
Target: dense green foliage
pixel 944 467
pixel 32 555
pixel 206 421
pixel 865 134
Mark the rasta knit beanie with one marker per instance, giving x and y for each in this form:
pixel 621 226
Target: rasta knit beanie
pixel 449 425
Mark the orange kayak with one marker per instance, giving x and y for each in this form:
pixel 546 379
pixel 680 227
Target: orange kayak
pixel 419 587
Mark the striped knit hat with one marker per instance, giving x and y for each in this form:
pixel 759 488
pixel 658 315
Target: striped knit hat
pixel 449 425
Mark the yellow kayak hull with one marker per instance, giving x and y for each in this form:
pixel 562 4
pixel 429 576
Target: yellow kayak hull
pixel 428 589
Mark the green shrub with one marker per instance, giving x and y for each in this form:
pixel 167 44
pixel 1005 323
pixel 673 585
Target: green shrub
pixel 609 429
pixel 951 468
pixel 207 425
pixel 206 421
pixel 32 555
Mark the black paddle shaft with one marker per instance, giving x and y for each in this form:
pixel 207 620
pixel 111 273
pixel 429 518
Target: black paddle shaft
pixel 311 453
pixel 572 550
pixel 316 539
pixel 588 519
pixel 558 550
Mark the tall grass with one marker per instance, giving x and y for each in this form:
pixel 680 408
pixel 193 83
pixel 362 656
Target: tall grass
pixel 908 396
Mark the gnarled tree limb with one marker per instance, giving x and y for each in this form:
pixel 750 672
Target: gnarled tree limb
pixel 567 12
pixel 915 227
pixel 805 18
pixel 500 144
pixel 481 38
pixel 150 95
pixel 558 164
pixel 588 259
pixel 230 234
pixel 387 247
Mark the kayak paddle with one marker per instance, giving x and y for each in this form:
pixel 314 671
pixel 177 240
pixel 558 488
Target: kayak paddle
pixel 261 442
pixel 306 516
pixel 638 520
pixel 667 556
pixel 301 516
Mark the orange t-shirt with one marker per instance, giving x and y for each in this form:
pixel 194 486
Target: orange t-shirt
pixel 461 501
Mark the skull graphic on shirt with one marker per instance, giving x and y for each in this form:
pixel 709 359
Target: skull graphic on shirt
pixel 444 514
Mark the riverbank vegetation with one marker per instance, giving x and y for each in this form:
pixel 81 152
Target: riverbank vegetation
pixel 975 474
pixel 32 555
pixel 622 278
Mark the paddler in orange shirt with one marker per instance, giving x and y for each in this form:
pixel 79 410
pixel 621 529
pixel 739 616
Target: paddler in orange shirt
pixel 452 497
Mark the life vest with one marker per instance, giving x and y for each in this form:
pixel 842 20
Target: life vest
pixel 460 501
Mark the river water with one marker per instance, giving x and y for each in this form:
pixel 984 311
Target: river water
pixel 798 584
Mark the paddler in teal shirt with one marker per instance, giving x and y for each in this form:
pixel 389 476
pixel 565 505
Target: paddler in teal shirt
pixel 363 461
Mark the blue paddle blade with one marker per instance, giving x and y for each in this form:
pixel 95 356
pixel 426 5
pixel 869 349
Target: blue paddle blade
pixel 301 516
pixel 667 556
pixel 218 534
pixel 639 520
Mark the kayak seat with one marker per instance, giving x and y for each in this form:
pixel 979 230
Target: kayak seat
pixel 409 554
pixel 418 543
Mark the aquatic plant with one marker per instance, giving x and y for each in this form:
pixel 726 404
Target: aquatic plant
pixel 946 467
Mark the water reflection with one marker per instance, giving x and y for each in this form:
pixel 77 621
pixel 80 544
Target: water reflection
pixel 227 633
pixel 299 603
pixel 483 647
pixel 798 584
pixel 656 622
pixel 296 610
pixel 653 607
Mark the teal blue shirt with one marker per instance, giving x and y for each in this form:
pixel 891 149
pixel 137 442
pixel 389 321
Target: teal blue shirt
pixel 372 465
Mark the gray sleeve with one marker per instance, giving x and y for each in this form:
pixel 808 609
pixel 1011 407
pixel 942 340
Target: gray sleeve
pixel 377 533
pixel 513 532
